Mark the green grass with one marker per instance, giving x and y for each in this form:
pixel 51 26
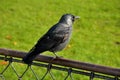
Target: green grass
pixel 95 38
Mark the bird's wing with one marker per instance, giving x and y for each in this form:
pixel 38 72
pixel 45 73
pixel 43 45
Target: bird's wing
pixel 60 33
pixel 60 36
pixel 45 42
pixel 56 35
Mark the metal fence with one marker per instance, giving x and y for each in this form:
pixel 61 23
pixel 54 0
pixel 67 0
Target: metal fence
pixel 60 64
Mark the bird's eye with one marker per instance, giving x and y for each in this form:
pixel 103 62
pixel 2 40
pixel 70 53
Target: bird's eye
pixel 73 18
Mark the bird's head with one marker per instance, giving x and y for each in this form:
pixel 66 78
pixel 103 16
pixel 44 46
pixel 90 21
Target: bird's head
pixel 68 19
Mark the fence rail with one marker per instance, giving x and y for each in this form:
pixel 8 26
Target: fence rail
pixel 91 70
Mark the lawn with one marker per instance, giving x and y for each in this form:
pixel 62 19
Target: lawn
pixel 95 38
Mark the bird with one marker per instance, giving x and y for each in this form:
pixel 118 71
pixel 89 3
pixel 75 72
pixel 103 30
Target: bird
pixel 54 40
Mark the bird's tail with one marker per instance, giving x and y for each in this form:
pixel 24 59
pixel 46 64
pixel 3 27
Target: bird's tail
pixel 31 55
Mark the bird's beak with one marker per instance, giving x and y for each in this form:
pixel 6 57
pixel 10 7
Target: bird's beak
pixel 77 17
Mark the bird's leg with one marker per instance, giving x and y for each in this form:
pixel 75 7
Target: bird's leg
pixel 56 56
pixel 53 57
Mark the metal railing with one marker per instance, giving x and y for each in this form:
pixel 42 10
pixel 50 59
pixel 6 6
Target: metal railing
pixel 70 66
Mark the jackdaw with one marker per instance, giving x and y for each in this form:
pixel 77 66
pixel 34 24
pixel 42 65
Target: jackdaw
pixel 54 40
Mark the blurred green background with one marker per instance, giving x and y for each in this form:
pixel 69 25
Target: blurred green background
pixel 95 38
